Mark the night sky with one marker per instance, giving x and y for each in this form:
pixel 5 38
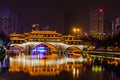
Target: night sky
pixel 51 12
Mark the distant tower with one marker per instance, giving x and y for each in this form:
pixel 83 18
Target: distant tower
pixel 70 20
pixel 9 22
pixel 96 21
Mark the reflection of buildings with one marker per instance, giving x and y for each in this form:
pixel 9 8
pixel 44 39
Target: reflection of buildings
pixel 96 22
pixel 43 67
pixel 9 22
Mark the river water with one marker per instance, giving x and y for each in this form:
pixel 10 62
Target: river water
pixel 26 68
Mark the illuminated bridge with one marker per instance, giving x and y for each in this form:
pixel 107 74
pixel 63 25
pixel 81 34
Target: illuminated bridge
pixel 41 43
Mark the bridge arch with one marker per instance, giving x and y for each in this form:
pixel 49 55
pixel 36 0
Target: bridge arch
pixel 16 50
pixel 73 49
pixel 43 49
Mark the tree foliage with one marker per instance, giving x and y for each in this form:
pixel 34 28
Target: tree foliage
pixel 4 41
pixel 106 42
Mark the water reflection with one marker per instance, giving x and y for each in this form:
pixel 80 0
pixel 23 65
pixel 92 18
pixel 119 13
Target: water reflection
pixel 43 66
pixel 26 68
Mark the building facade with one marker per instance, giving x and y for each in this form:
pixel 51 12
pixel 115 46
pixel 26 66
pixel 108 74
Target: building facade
pixel 96 22
pixel 107 28
pixel 43 36
pixel 116 26
pixel 9 22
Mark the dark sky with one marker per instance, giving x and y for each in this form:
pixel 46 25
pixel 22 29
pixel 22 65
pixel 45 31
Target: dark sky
pixel 51 12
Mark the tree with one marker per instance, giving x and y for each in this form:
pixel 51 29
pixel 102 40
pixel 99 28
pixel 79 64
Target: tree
pixel 4 45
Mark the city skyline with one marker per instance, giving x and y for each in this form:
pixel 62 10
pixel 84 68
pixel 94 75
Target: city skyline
pixel 52 12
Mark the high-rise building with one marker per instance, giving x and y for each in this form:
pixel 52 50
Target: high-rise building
pixel 107 27
pixel 9 22
pixel 96 22
pixel 70 20
pixel 116 26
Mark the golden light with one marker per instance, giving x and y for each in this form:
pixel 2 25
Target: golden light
pixel 34 25
pixel 74 30
pixel 78 30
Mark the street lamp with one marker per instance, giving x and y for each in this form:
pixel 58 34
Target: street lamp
pixel 76 30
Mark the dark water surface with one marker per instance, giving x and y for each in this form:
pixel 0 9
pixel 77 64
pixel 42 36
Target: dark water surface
pixel 67 71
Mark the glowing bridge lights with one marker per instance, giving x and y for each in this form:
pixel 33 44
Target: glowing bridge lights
pixel 39 52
